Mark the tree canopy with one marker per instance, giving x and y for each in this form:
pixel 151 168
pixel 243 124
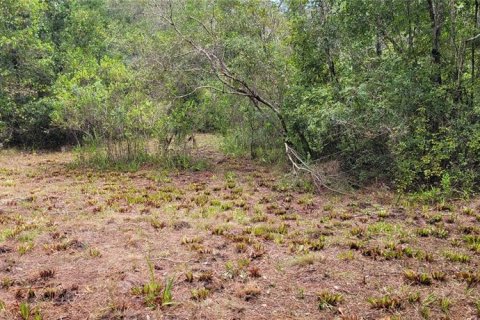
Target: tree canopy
pixel 385 89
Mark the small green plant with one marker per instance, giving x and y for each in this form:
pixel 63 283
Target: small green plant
pixel 328 299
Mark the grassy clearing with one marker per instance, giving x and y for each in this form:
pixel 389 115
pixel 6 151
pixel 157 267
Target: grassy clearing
pixel 74 242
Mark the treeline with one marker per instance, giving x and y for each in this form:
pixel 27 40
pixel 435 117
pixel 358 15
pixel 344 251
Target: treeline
pixel 386 89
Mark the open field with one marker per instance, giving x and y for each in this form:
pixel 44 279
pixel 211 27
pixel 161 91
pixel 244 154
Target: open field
pixel 237 241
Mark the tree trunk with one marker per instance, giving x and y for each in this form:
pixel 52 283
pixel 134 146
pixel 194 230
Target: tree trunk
pixel 435 18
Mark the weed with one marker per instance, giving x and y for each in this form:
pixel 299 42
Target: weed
pixel 346 255
pixel 230 270
pixel 7 282
pixel 424 232
pixel 440 233
pixel 356 245
pixel 249 291
pixel 457 257
pixel 445 304
pixel 26 247
pixel 94 253
pixel 254 272
pixel 328 299
pixel 220 230
pixel 316 245
pixel 305 259
pixel 386 302
pixel 189 276
pixel 470 277
pixel 157 224
pixel 468 211
pixel 473 242
pixel 200 294
pixel 27 313
pixel 187 240
pixel 383 214
pixel 167 297
pixel 439 275
pixel 418 278
pixel 435 219
pixel 477 307
pixel 205 276
pixel 47 273
pixel 414 297
pixel 24 310
pixel 153 292
pixel 2 305
pixel 241 247
pixel 357 232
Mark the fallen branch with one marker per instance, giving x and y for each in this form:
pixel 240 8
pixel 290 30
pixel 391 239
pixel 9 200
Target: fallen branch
pixel 300 165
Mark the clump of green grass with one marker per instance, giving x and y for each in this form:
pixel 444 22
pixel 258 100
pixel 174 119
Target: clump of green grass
pixel 327 300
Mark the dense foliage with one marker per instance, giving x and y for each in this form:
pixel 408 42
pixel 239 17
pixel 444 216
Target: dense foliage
pixel 385 89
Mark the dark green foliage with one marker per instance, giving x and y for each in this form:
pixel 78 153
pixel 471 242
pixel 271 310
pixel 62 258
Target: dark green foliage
pixel 385 89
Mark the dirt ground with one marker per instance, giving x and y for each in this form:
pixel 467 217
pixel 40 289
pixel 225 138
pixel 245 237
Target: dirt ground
pixel 237 240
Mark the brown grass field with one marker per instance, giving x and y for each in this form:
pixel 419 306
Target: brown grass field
pixel 234 241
